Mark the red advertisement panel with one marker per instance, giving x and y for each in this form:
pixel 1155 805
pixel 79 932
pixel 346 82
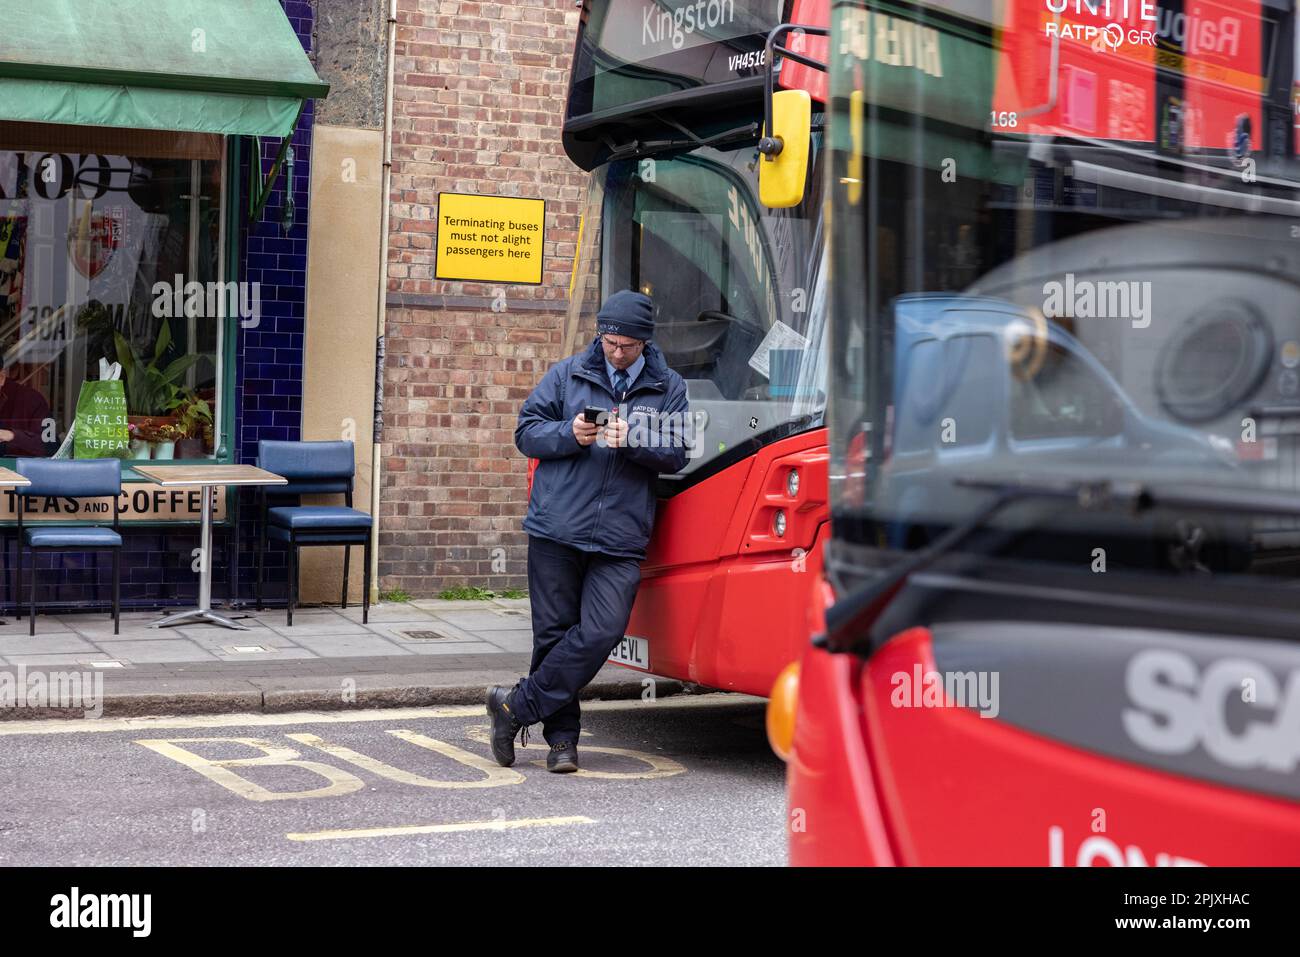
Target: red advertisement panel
pixel 1133 70
pixel 1216 48
pixel 796 76
pixel 1104 83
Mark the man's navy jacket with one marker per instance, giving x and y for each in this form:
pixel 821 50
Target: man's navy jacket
pixel 592 497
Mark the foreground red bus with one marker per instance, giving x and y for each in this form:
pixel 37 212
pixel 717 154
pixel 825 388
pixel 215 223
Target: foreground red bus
pixel 665 110
pixel 1062 595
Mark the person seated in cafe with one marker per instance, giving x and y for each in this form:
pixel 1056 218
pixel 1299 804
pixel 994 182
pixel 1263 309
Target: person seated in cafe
pixel 24 419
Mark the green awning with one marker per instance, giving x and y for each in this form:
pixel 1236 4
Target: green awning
pixel 233 67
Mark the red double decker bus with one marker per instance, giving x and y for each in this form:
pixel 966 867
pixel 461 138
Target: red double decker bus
pixel 665 110
pixel 1060 603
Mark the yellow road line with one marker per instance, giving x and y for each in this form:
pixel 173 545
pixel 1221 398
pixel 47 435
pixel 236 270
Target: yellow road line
pixel 151 723
pixel 403 830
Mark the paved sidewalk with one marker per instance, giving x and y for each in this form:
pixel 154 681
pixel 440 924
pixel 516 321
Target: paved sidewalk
pixel 409 654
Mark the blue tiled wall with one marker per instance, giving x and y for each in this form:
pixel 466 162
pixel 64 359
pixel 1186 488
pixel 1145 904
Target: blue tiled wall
pixel 268 386
pixel 157 561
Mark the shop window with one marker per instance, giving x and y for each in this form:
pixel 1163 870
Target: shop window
pixel 111 247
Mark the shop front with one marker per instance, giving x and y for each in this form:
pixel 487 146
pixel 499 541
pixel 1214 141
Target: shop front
pixel 153 208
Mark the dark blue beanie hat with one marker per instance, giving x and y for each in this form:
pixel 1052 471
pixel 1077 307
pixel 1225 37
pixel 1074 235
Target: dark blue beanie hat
pixel 627 313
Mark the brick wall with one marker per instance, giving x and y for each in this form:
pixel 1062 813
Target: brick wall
pixel 479 95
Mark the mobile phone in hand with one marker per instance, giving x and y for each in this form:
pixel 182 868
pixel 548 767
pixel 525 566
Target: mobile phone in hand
pixel 592 414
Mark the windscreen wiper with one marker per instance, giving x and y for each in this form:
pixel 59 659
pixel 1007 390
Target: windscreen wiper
pixel 748 130
pixel 690 140
pixel 849 620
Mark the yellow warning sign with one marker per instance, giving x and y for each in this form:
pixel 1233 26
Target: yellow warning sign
pixel 490 238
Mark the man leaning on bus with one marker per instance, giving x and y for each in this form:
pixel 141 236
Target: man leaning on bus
pixel 589 516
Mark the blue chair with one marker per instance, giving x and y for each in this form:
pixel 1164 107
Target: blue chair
pixel 312 468
pixel 74 479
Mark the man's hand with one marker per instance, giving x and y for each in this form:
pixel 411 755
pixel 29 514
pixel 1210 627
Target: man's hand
pixel 616 433
pixel 6 435
pixel 584 431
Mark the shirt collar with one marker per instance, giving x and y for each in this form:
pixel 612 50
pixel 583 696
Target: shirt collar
pixel 633 370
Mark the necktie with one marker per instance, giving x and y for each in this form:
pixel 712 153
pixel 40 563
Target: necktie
pixel 620 383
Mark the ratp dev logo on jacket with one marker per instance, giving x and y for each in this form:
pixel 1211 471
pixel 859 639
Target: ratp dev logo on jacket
pixel 650 428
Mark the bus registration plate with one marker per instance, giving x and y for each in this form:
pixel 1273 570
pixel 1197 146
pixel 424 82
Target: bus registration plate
pixel 633 652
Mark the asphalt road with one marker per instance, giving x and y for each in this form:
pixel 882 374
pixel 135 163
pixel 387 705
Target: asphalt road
pixel 685 780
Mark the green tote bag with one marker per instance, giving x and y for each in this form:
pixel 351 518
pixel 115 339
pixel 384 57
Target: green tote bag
pixel 100 430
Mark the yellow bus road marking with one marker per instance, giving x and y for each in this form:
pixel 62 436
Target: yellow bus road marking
pixel 493 774
pixel 340 782
pixel 169 723
pixel 403 830
pixel 337 780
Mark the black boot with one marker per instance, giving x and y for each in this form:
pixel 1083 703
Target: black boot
pixel 504 725
pixel 563 758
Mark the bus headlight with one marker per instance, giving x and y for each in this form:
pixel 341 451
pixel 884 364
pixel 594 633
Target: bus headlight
pixel 778 523
pixel 792 483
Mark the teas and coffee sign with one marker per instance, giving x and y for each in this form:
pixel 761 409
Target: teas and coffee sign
pixel 139 502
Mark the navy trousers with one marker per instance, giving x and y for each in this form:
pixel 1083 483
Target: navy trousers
pixel 581 602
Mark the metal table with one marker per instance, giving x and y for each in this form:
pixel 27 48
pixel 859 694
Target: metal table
pixel 206 478
pixel 11 479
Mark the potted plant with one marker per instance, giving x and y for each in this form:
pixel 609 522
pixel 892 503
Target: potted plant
pixel 164 446
pixel 150 434
pixel 152 393
pixel 194 422
pixel 140 446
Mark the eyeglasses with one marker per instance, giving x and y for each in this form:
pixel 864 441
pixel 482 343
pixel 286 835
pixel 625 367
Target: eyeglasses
pixel 632 346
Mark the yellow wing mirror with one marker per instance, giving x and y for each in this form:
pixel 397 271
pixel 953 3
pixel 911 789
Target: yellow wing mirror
pixel 783 170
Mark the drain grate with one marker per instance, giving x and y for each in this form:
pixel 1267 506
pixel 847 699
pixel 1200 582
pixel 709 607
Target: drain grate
pixel 427 635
